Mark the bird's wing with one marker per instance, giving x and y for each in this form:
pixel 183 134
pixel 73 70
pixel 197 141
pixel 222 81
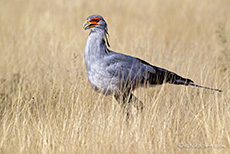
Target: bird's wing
pixel 129 68
pixel 162 75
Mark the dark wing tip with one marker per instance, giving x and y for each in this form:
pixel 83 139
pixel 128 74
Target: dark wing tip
pixel 189 81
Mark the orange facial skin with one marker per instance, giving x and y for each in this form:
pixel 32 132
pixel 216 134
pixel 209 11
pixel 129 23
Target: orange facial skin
pixel 93 22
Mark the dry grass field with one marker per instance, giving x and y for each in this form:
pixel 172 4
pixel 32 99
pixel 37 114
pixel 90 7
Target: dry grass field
pixel 48 106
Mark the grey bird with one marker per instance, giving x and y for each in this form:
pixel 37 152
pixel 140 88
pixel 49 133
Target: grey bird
pixel 118 74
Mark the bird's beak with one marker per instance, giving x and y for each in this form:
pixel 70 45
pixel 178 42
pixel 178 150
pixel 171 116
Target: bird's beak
pixel 88 25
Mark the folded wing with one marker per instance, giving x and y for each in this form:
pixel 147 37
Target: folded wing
pixel 135 72
pixel 164 76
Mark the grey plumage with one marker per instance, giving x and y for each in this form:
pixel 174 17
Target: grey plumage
pixel 118 74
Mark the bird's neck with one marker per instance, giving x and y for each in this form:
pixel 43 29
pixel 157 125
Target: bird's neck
pixel 96 43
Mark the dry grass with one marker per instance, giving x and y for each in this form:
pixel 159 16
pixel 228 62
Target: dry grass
pixel 48 106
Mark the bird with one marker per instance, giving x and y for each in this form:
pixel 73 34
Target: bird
pixel 117 74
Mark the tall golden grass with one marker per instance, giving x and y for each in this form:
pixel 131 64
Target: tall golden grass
pixel 48 106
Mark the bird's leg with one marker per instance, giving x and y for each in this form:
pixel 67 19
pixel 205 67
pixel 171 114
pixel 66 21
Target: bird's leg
pixel 122 98
pixel 136 102
pixel 127 99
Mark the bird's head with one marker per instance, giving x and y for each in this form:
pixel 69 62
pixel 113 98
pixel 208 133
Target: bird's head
pixel 95 22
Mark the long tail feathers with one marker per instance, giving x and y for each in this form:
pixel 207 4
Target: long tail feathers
pixel 184 81
pixel 195 85
pixel 191 83
pixel 163 75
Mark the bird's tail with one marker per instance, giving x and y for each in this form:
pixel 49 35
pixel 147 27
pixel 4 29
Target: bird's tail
pixel 176 79
pixel 162 75
pixel 195 85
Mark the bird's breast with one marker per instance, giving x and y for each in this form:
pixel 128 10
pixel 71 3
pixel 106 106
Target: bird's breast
pixel 99 78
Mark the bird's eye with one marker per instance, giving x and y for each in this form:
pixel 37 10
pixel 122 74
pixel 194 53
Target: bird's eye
pixel 95 20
